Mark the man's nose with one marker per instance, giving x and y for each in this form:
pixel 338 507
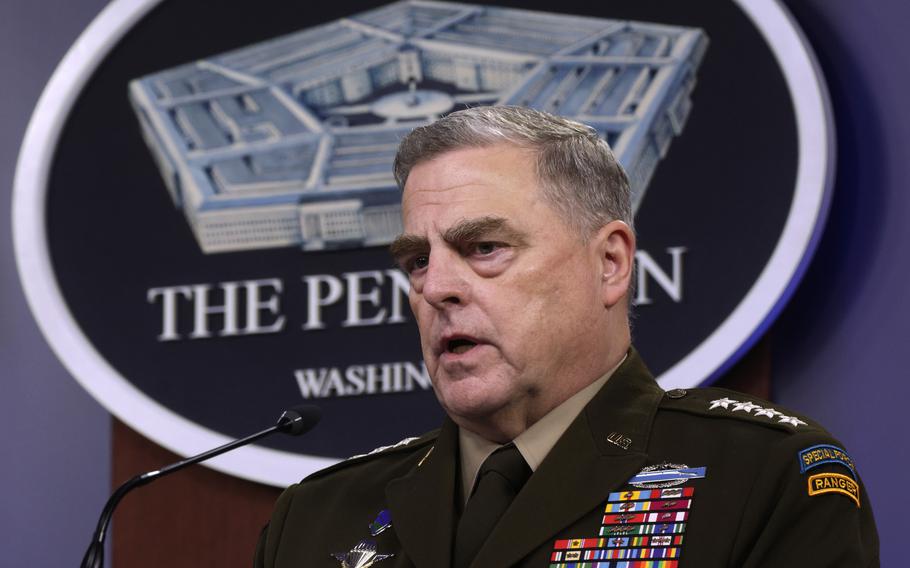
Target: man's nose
pixel 445 282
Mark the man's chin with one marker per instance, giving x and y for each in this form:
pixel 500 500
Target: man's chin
pixel 471 399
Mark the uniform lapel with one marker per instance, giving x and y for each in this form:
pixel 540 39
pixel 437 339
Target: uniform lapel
pixel 583 468
pixel 422 503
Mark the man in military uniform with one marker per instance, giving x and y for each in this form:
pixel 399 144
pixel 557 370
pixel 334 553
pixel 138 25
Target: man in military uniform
pixel 559 448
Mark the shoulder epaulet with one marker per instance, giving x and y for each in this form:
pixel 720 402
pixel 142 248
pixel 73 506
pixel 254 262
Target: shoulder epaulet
pixel 724 403
pixel 406 445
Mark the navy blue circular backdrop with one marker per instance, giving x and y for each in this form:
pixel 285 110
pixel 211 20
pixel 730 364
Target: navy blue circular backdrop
pixel 723 191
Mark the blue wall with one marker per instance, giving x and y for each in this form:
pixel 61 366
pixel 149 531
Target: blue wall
pixel 54 438
pixel 837 347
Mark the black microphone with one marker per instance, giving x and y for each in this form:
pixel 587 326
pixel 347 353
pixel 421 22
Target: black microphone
pixel 294 421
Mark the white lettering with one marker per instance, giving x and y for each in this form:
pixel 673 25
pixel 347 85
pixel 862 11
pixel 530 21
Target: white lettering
pixel 255 304
pixel 420 375
pixel 354 376
pixel 381 378
pixel 647 266
pixel 168 296
pixel 360 290
pixel 316 301
pixel 400 288
pixel 310 381
pixel 356 298
pixel 384 379
pixel 334 383
pixel 202 310
pixel 262 296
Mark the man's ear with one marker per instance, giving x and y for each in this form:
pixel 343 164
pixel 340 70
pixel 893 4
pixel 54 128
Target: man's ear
pixel 615 245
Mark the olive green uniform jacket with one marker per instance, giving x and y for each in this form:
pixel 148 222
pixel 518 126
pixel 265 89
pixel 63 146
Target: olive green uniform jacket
pixel 752 508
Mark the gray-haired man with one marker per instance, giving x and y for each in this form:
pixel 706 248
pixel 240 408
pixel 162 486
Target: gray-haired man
pixel 559 448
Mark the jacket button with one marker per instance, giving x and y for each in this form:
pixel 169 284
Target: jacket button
pixel 676 393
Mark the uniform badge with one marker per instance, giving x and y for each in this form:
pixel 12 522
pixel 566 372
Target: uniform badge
pixel 822 483
pixel 618 439
pixel 404 442
pixel 643 528
pixel 666 475
pixel 363 555
pixel 382 521
pixel 750 407
pixel 815 456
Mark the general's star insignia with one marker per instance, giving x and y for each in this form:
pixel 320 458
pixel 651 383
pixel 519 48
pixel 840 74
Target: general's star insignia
pixel 747 406
pixel 790 420
pixel 769 412
pixel 724 402
pixel 361 556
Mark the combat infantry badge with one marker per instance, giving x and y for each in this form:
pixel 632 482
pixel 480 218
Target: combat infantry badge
pixel 361 556
pixel 666 475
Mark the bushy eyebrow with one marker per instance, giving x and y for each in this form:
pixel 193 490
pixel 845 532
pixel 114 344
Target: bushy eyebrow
pixel 466 231
pixel 470 230
pixel 406 245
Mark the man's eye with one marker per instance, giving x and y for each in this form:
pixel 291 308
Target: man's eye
pixel 418 263
pixel 486 248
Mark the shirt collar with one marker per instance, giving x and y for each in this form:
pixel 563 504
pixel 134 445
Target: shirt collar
pixel 534 443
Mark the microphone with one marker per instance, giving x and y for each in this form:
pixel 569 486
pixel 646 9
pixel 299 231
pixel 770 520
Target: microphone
pixel 294 421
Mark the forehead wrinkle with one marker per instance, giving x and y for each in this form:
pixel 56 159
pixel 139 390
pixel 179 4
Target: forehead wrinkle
pixel 430 189
pixel 451 187
pixel 414 198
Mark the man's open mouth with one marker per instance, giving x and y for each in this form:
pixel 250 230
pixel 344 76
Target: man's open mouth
pixel 459 345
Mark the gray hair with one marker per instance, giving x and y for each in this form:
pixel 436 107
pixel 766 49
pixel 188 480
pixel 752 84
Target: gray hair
pixel 578 174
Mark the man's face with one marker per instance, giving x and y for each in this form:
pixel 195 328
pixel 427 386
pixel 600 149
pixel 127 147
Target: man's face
pixel 506 296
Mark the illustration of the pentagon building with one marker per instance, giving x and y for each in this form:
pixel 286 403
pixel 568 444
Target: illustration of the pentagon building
pixel 290 142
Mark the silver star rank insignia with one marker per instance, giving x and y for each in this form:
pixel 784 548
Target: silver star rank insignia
pixel 361 556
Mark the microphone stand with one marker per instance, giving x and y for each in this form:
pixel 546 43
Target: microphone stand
pixel 290 422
